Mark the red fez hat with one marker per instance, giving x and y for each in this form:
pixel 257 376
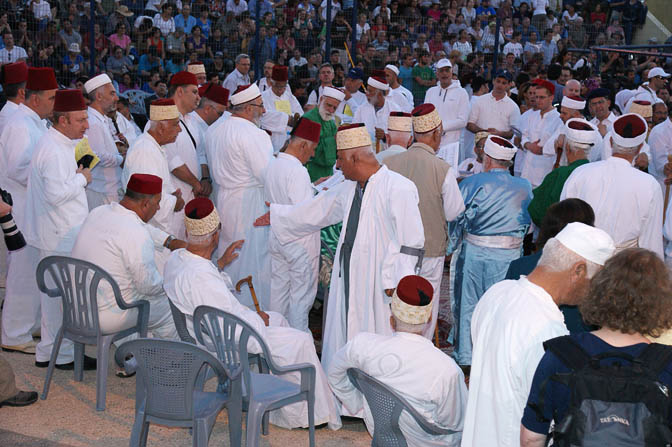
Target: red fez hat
pixel 163 102
pixel 199 208
pixel 415 290
pixel 501 141
pixel 577 98
pixel 578 125
pixel 183 78
pixel 69 100
pixel 145 184
pixel 280 73
pixel 240 88
pixel 545 84
pixel 404 114
pixel 423 109
pixel 42 78
pixel 308 130
pixel 380 74
pixel 642 103
pixel 630 126
pixel 349 126
pixel 14 73
pixel 214 92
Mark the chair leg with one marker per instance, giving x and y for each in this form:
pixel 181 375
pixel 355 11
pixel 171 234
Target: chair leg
pixel 311 419
pixel 79 362
pixel 139 431
pixel 264 424
pixel 201 434
pixel 235 413
pixel 52 362
pixel 102 355
pixel 255 415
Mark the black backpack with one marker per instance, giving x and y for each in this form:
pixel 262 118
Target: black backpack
pixel 611 405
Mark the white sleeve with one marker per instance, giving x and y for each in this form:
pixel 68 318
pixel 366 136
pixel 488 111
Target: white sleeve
pixel 339 381
pixel 19 153
pixel 312 98
pixel 463 111
pixel 59 190
pixel 139 260
pixel 659 151
pixel 651 236
pixel 453 203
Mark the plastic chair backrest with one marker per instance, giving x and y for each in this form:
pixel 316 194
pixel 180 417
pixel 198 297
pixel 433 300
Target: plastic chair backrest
pixel 180 321
pixel 386 406
pixel 218 330
pixel 77 283
pixel 167 372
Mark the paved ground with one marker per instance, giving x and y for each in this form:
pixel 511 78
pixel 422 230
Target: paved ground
pixel 660 9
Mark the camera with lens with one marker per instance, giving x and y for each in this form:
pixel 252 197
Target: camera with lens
pixel 13 237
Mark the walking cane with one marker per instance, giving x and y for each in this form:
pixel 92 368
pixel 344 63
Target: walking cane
pixel 248 280
pixel 347 51
pixel 667 192
pixel 559 154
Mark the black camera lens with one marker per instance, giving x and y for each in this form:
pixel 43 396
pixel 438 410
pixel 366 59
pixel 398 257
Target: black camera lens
pixel 13 237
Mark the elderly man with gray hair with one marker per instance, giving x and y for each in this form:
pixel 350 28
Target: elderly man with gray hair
pixel 240 75
pixel 513 319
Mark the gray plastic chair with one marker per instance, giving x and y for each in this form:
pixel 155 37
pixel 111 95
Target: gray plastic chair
pixel 180 321
pixel 217 331
pixel 166 391
pixel 386 406
pixel 77 284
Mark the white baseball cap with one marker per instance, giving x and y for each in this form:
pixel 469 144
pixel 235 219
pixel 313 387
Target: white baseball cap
pixel 657 71
pixel 591 243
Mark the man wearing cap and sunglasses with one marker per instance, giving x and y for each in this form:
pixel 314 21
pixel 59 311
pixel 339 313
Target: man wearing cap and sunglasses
pixel 647 91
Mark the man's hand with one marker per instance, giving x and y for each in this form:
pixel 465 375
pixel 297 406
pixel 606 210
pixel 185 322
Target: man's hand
pixel 667 170
pixel 179 203
pixel 263 221
pixel 602 129
pixel 642 161
pixel 534 147
pixel 389 292
pixel 264 316
pixel 206 188
pixel 380 134
pixel 197 189
pixel 321 179
pixel 86 172
pixel 230 254
pixel 4 208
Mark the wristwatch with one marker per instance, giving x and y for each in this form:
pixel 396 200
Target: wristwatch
pixel 168 241
pixel 207 179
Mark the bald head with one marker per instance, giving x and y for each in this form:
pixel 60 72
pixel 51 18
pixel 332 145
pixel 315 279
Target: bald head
pixel 572 88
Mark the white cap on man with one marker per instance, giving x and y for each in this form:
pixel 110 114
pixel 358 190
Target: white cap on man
pixel 591 243
pixel 96 81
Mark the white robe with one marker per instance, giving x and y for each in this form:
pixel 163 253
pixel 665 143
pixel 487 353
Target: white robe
pixel 452 104
pixel 128 129
pixel 660 144
pixel 192 281
pixel 106 175
pixel 211 145
pixel 539 129
pixel 198 128
pixel 294 265
pixel 410 364
pixel 595 153
pixel 276 120
pixel 628 203
pixel 402 96
pixel 389 219
pixel 607 151
pixel 7 114
pixel 346 109
pixel 55 210
pixel 373 120
pixel 390 151
pixel 509 325
pixel 147 157
pixel 116 240
pixel 238 166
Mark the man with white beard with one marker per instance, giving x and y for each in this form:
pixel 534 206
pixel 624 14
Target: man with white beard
pixel 381 241
pixel 104 187
pixel 294 266
pixel 322 163
pixel 376 111
pixel 191 279
pixel 238 166
pixel 282 108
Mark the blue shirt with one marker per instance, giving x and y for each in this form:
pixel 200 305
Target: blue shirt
pixel 556 395
pixel 145 65
pixel 406 76
pixel 186 25
pixel 548 50
pixel 264 7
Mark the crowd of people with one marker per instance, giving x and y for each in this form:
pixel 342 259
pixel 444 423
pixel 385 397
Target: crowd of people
pixel 542 187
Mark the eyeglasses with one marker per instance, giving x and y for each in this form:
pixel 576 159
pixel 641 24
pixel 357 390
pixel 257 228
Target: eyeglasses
pixel 258 105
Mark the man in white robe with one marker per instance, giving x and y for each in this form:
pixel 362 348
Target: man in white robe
pixel 440 198
pixel 294 266
pixel 104 187
pixel 398 93
pixel 13 78
pixel 211 144
pixel 55 210
pixel 660 141
pixel 648 91
pixel 470 166
pixel 409 364
pixel 599 107
pixel 21 311
pixel 641 161
pixel 126 123
pixel 282 108
pixel 182 156
pixel 452 103
pixel 213 104
pixel 520 127
pixel 510 323
pixel 628 203
pixel 381 221
pixel 375 112
pixel 148 156
pixel 117 238
pixel 238 165
pixel 354 97
pixel 191 279
pixel 399 135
